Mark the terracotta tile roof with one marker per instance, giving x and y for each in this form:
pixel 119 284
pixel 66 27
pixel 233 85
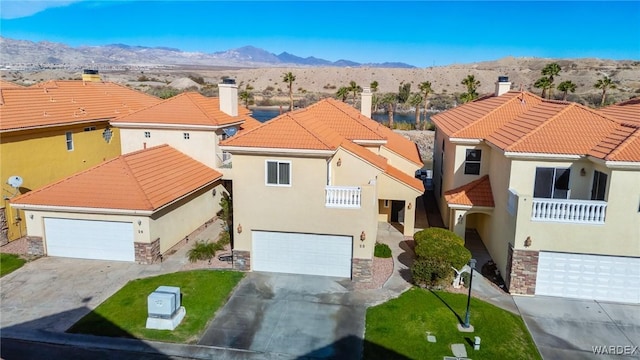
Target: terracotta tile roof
pixel 345 119
pixel 142 180
pixel 190 108
pixel 369 156
pixel 9 85
pixel 249 123
pixel 622 144
pixel 401 145
pixel 475 193
pixel 404 178
pixel 480 118
pixel 66 102
pixel 627 111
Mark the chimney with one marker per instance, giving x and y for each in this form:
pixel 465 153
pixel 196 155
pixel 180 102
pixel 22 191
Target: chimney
pixel 228 93
pixel 503 85
pixel 365 104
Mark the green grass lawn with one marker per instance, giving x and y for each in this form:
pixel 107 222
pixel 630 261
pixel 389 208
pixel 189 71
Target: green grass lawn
pixel 397 329
pixel 10 263
pixel 125 313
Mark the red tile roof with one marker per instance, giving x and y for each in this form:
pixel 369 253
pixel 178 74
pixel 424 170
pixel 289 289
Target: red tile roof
pixel 142 180
pixel 622 144
pixel 627 111
pixel 9 85
pixel 475 193
pixel 55 103
pixel 190 108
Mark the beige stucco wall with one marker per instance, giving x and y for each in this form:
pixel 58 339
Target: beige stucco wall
pixel 301 206
pixel 201 145
pixel 390 188
pixel 400 162
pixel 352 171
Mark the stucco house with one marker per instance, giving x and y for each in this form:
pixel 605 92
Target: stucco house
pixel 54 129
pixel 310 186
pixel 552 188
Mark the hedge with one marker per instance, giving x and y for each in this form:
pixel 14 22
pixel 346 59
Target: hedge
pixel 437 250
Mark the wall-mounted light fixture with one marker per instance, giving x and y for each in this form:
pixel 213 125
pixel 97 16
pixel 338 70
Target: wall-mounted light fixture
pixel 214 192
pixel 239 228
pixel 527 241
pixel 139 222
pixel 409 206
pixel 583 172
pixel 363 236
pixel 31 216
pixel 460 219
pixel 339 163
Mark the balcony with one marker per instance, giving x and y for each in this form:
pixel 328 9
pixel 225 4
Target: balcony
pixel 569 211
pixel 343 196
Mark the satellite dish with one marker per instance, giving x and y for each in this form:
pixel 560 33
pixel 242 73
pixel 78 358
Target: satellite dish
pixel 15 181
pixel 230 131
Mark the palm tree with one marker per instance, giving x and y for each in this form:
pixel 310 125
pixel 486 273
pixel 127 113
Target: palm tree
pixel 472 85
pixel 246 96
pixel 543 83
pixel 289 78
pixel 425 88
pixel 604 84
pixel 551 70
pixel 374 99
pixel 374 86
pixel 355 89
pixel 389 100
pixel 565 87
pixel 416 100
pixel 342 93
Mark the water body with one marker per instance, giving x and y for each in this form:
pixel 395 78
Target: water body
pixel 263 115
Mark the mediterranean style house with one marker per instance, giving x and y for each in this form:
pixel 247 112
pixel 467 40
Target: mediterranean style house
pixel 552 188
pixel 55 129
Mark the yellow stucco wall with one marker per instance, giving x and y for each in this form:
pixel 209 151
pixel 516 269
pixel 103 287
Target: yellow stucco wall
pixel 41 157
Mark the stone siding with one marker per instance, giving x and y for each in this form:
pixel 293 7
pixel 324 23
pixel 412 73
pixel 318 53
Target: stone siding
pixel 524 269
pixel 361 270
pixel 4 227
pixel 147 253
pixel 35 246
pixel 242 260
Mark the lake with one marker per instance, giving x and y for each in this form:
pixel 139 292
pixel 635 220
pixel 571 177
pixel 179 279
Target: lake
pixel 263 115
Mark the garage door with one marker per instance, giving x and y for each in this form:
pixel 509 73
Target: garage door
pixel 597 277
pixel 297 253
pixel 86 239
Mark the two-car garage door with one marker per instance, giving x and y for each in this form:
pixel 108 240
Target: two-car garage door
pixel 585 276
pixel 296 253
pixel 87 239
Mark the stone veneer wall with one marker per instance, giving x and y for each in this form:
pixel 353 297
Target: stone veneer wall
pixel 242 260
pixel 35 246
pixel 361 270
pixel 4 227
pixel 147 253
pixel 524 269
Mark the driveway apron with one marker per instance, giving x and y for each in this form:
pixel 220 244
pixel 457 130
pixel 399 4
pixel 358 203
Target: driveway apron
pixel 293 315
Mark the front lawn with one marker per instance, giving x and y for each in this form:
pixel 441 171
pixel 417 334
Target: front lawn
pixel 9 263
pixel 125 313
pixel 398 328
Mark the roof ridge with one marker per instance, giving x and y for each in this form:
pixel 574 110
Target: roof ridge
pixel 135 178
pixel 190 95
pixel 539 126
pixel 313 133
pixel 116 119
pixel 626 142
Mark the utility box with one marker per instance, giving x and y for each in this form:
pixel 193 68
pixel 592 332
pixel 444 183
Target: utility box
pixel 161 305
pixel 171 290
pixel 164 310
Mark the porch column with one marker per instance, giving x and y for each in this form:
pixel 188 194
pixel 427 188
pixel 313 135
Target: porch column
pixel 409 217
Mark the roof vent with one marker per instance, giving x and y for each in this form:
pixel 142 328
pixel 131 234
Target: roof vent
pixel 502 85
pixel 228 81
pixel 503 79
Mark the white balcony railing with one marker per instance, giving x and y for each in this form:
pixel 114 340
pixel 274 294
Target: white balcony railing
pixel 569 211
pixel 343 196
pixel 224 158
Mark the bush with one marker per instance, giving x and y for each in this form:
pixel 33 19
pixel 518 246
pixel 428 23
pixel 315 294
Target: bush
pixel 203 250
pixel 437 234
pixel 225 238
pixel 431 272
pixel 454 254
pixel 382 251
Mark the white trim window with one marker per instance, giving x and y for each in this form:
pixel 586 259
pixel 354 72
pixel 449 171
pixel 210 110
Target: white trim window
pixel 552 183
pixel 278 173
pixel 147 134
pixel 69 140
pixel 599 186
pixel 185 136
pixel 472 162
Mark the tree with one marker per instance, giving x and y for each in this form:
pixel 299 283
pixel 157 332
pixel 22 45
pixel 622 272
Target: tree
pixel 604 84
pixel 565 87
pixel 289 78
pixel 404 91
pixel 374 99
pixel 374 86
pixel 389 100
pixel 543 83
pixel 246 96
pixel 551 70
pixel 342 93
pixel 425 89
pixel 416 100
pixel 355 89
pixel 472 85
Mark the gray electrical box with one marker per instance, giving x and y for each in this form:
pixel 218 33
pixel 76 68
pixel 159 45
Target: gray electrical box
pixel 161 305
pixel 172 290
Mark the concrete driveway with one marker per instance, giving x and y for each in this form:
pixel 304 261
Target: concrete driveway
pixel 292 315
pixel 572 328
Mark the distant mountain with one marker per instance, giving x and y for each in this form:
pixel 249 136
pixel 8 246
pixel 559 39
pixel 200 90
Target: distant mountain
pixel 44 52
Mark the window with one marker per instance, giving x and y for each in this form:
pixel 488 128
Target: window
pixel 279 173
pixel 147 134
pixel 599 186
pixel 185 136
pixel 551 183
pixel 472 162
pixel 89 128
pixel 69 139
pixel 107 134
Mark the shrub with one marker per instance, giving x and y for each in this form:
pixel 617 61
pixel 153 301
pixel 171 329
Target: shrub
pixel 431 272
pixel 454 254
pixel 203 250
pixel 437 234
pixel 382 251
pixel 225 238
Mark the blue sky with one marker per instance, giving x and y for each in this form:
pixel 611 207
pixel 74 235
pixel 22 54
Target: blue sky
pixel 421 33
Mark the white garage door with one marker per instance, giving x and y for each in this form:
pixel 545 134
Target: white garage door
pixel 295 253
pixel 86 239
pixel 597 277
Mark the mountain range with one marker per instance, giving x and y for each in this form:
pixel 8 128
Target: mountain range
pixel 14 51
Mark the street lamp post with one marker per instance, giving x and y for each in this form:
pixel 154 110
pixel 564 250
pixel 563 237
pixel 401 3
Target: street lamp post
pixel 467 316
